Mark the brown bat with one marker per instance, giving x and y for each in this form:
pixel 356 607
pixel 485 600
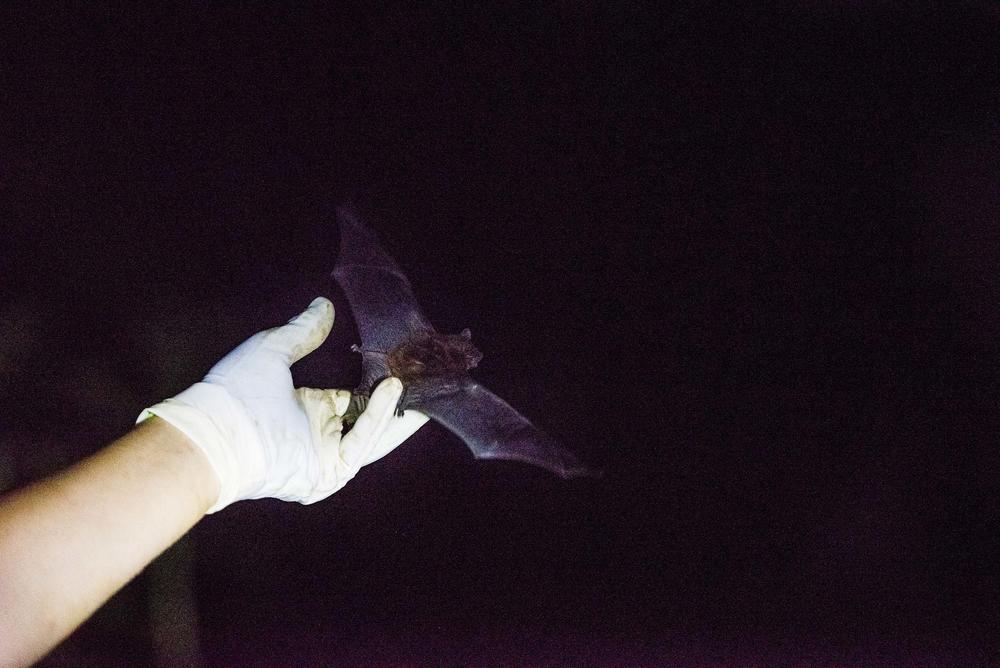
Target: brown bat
pixel 397 340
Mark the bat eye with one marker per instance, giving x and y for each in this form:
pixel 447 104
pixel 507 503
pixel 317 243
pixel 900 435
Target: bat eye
pixel 466 334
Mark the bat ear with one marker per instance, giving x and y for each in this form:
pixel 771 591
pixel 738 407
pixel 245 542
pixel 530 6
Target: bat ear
pixel 466 334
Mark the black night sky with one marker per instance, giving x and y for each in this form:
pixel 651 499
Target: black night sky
pixel 746 261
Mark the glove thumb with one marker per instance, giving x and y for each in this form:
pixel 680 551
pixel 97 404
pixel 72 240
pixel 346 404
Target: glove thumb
pixel 304 333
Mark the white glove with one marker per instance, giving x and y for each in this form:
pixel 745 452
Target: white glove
pixel 264 438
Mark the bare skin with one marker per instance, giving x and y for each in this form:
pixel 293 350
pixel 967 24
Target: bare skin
pixel 69 542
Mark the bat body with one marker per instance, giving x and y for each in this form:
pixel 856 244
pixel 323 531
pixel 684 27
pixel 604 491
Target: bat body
pixel 398 340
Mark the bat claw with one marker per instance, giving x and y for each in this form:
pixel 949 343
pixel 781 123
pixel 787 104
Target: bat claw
pixel 400 405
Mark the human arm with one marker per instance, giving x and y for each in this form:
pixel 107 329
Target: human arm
pixel 69 542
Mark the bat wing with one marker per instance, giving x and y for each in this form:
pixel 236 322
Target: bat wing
pixel 387 314
pixel 493 429
pixel 380 295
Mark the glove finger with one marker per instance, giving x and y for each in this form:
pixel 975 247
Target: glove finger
pixel 357 446
pixel 304 333
pixel 399 429
pixel 324 408
pixel 334 403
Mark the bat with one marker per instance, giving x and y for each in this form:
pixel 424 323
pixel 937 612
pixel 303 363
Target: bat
pixel 398 340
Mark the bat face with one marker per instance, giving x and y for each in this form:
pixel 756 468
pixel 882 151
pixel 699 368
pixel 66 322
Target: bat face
pixel 398 340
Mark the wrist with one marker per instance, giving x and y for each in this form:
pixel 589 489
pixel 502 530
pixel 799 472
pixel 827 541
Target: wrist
pixel 179 455
pixel 217 425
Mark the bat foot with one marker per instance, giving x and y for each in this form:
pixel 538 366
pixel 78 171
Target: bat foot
pixel 399 404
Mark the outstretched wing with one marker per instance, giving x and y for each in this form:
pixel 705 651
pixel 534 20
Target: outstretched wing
pixel 380 295
pixel 387 314
pixel 493 429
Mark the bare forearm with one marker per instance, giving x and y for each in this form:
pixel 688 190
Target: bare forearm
pixel 67 543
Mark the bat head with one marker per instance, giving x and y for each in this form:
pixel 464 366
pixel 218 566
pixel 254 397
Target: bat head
pixel 433 354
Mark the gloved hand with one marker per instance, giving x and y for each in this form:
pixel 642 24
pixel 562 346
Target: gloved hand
pixel 264 438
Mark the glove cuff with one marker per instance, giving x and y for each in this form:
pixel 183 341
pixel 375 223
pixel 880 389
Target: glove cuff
pixel 214 421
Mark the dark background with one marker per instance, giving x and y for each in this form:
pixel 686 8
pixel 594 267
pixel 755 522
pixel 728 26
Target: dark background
pixel 746 261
